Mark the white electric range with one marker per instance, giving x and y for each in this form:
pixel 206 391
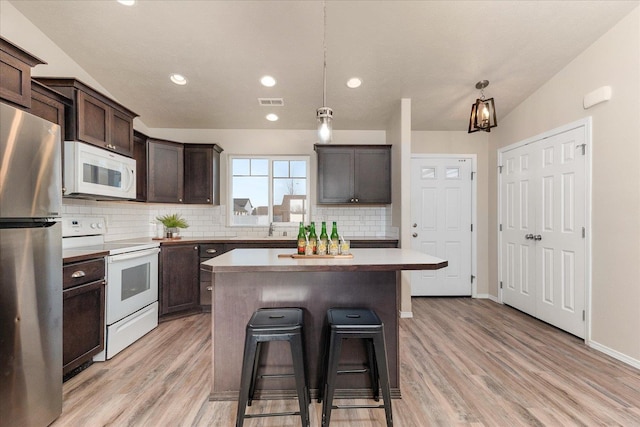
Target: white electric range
pixel 132 281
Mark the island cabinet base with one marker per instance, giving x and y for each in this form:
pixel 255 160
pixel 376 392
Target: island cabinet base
pixel 236 295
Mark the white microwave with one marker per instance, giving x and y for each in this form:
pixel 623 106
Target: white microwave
pixel 91 172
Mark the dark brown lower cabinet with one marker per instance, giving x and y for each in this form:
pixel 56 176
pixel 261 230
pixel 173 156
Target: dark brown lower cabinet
pixel 83 313
pixel 179 287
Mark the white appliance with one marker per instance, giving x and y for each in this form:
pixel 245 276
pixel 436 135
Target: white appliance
pixel 132 281
pixel 92 172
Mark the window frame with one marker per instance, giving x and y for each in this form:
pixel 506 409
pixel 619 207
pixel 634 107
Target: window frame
pixel 270 176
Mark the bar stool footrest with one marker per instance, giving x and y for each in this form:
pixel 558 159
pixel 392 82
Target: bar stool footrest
pixel 268 376
pixel 272 414
pixel 357 407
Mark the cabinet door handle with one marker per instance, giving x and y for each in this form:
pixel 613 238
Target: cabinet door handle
pixel 352 200
pixel 211 251
pixel 195 248
pixel 208 200
pixel 357 201
pixel 537 237
pixel 415 234
pixel 77 274
pixel 180 200
pixel 209 288
pixel 528 236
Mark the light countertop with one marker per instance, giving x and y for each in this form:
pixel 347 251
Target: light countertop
pixel 375 259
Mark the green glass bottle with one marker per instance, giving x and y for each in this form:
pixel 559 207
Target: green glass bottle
pixel 334 240
pixel 324 240
pixel 302 239
pixel 313 238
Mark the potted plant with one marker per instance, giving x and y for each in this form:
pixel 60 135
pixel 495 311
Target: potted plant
pixel 172 222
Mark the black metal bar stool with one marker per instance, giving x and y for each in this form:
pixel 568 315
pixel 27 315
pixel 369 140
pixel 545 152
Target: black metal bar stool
pixel 355 323
pixel 273 324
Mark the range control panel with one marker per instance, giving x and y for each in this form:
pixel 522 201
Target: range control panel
pixel 83 226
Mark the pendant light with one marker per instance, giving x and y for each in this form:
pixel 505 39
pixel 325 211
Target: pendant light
pixel 483 111
pixel 324 114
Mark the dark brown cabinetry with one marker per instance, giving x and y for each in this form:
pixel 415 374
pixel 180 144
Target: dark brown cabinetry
pixel 179 287
pixel 172 172
pixel 354 174
pixel 15 74
pixel 165 171
pixel 82 312
pixel 208 251
pixel 202 174
pixel 94 118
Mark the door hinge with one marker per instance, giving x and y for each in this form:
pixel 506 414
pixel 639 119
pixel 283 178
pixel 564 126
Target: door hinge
pixel 500 285
pixel 500 169
pixel 472 277
pixel 584 148
pixel 584 232
pixel 584 315
pixel 500 227
pixel 472 228
pixel 472 175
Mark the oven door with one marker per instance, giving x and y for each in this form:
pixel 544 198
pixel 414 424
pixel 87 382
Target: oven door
pixel 132 283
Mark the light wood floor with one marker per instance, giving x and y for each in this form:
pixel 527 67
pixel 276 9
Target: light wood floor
pixel 464 362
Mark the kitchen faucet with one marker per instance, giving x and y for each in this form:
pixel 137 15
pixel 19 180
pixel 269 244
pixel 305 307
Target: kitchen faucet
pixel 270 229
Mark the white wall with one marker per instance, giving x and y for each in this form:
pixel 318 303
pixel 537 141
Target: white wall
pixel 612 60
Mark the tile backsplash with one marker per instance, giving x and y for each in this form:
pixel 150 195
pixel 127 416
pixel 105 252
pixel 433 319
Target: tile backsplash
pixel 126 220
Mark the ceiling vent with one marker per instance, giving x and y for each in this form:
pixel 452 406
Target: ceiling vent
pixel 271 102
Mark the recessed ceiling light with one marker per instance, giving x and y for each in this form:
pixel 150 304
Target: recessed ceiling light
pixel 127 2
pixel 354 82
pixel 178 79
pixel 268 81
pixel 272 117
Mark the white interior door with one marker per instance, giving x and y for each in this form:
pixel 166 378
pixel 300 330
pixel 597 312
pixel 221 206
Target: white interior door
pixel 518 222
pixel 543 198
pixel 441 223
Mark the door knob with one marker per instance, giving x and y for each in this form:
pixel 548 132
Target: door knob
pixel 415 234
pixel 414 225
pixel 528 236
pixel 537 237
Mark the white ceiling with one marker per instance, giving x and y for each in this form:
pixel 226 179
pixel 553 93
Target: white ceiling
pixel 430 51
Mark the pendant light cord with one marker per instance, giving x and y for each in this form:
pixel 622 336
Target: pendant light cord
pixel 324 48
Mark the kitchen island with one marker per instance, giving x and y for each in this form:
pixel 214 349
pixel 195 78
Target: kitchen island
pixel 244 280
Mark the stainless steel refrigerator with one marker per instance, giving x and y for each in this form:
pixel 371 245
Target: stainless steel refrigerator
pixel 30 270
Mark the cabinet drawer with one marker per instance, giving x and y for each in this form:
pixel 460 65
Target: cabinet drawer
pixel 210 250
pixel 82 272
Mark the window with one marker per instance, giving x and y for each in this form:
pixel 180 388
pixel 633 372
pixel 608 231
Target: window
pixel 266 189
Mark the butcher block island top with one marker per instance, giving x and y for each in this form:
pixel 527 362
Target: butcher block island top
pixel 245 260
pixel 244 280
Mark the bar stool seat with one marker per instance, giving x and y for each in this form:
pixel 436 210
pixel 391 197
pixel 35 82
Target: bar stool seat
pixel 273 324
pixel 359 323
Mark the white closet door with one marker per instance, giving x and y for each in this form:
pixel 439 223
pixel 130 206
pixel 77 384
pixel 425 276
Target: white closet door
pixel 561 218
pixel 441 224
pixel 518 228
pixel 543 207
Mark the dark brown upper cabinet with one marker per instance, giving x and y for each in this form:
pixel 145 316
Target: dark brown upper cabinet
pixel 202 174
pixel 165 171
pixel 354 174
pixel 172 172
pixel 94 118
pixel 15 73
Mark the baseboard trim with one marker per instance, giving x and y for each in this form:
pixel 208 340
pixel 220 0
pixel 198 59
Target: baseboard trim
pixel 487 296
pixel 406 314
pixel 615 354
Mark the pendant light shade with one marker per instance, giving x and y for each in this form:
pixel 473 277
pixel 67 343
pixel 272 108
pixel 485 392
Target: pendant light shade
pixel 325 126
pixel 483 111
pixel 324 114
